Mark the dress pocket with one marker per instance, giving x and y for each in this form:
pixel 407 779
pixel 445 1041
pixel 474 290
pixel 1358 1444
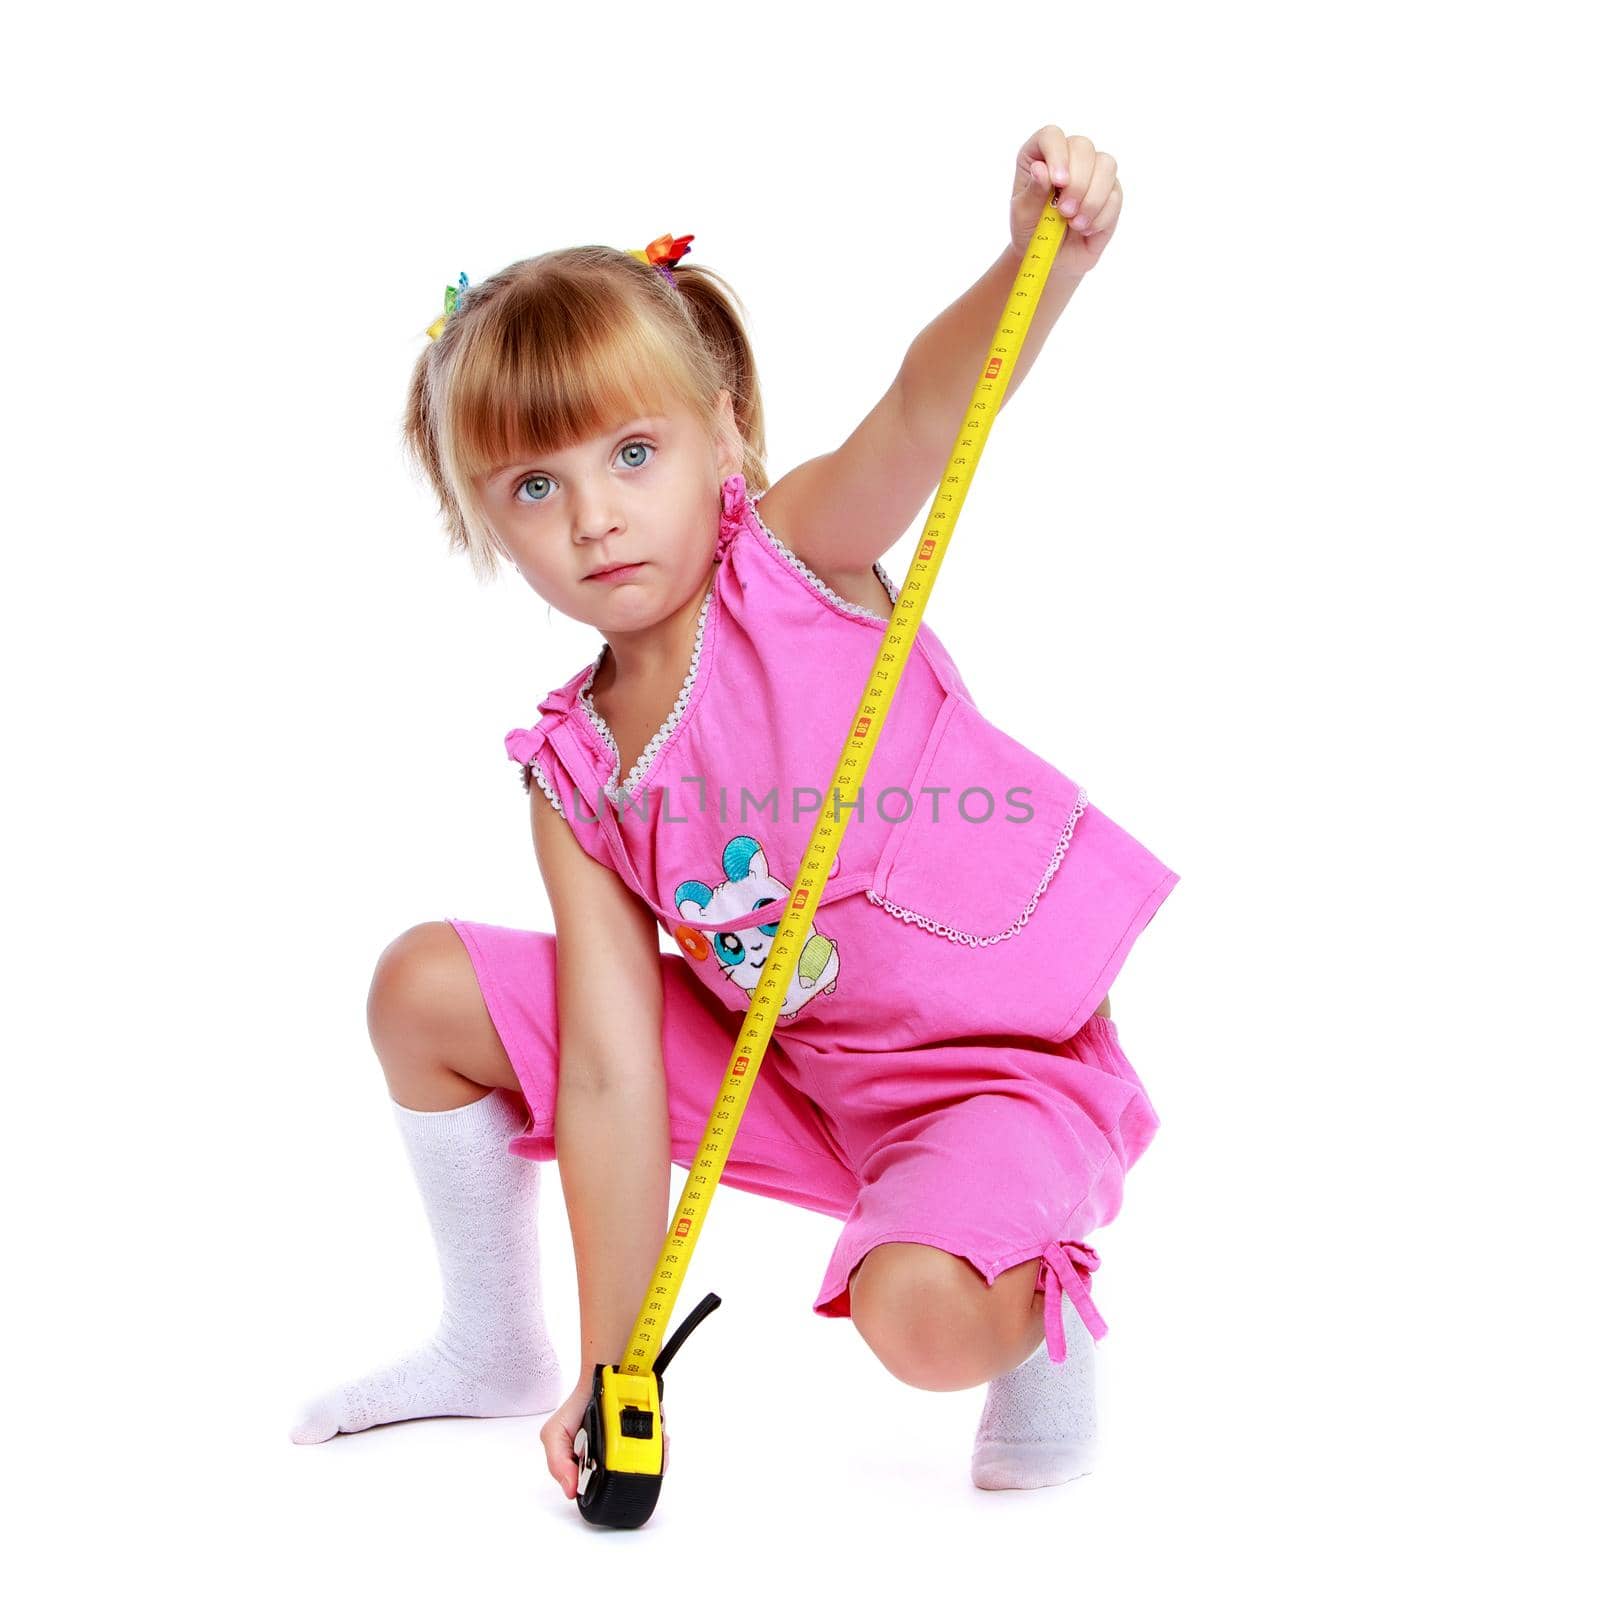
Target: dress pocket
pixel 987 825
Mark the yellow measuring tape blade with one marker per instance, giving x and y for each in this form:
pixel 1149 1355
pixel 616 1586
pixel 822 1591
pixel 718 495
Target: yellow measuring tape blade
pixel 767 998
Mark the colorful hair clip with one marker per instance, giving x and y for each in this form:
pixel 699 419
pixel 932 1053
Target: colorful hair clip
pixel 452 298
pixel 663 254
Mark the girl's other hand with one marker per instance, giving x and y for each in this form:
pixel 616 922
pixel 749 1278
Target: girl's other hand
pixel 559 1431
pixel 1090 198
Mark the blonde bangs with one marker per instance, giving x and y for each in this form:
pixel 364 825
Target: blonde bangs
pixel 550 371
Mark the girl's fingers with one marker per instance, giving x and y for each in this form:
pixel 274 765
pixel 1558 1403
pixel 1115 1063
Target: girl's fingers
pixel 1106 218
pixel 1102 177
pixel 1080 158
pixel 1032 174
pixel 1101 221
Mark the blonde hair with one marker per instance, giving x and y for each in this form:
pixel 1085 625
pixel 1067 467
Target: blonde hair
pixel 557 348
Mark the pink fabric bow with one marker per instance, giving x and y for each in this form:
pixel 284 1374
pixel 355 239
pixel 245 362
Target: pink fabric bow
pixel 1067 1266
pixel 523 744
pixel 733 509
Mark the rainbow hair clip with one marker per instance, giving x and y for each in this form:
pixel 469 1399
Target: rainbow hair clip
pixel 452 298
pixel 664 254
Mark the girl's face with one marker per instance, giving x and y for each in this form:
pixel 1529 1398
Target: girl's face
pixel 645 494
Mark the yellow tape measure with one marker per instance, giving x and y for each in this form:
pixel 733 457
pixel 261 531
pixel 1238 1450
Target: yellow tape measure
pixel 620 1411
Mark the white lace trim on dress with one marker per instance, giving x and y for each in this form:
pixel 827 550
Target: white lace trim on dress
pixel 890 588
pixel 544 783
pixel 955 935
pixel 622 794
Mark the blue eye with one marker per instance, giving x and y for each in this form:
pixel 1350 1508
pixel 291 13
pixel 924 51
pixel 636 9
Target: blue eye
pixel 541 477
pixel 768 928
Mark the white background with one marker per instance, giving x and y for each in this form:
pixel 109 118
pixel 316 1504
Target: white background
pixel 1281 550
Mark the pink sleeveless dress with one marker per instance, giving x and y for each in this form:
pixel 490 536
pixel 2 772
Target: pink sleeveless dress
pixel 941 1018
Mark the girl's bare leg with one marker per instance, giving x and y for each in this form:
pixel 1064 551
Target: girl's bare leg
pixel 457 1104
pixel 934 1322
pixel 429 1025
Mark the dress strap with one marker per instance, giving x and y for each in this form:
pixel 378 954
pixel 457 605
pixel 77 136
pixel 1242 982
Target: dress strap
pixel 1067 1266
pixel 524 744
pixel 612 832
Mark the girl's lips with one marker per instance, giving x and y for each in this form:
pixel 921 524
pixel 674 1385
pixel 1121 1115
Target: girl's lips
pixel 615 574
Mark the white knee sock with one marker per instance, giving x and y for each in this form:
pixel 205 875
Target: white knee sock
pixel 491 1355
pixel 1038 1424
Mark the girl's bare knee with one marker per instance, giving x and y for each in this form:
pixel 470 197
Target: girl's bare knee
pixel 412 983
pixel 912 1306
pixel 426 1016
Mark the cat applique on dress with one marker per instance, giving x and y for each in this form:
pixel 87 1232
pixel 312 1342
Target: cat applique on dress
pixel 741 954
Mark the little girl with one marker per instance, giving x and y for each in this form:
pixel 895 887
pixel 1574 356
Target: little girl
pixel 944 1077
